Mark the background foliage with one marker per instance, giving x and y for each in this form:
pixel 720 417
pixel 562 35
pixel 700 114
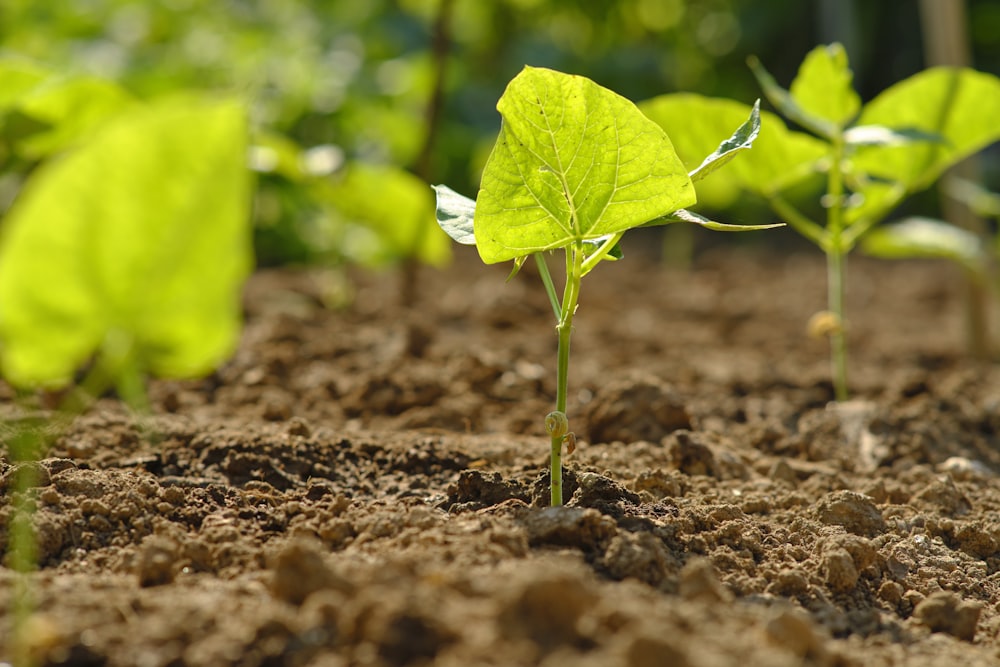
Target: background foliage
pixel 336 81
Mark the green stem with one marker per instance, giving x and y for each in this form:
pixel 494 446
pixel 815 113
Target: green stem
pixel 564 329
pixel 836 258
pixel 25 449
pixel 550 289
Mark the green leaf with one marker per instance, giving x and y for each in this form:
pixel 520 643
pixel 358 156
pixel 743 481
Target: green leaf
pixel 73 108
pixel 879 135
pixel 787 105
pixel 925 237
pixel 574 161
pixel 138 239
pixel 824 86
pixel 683 215
pixel 780 157
pixel 959 105
pixel 397 207
pixel 455 214
pixel 982 202
pixel 741 140
pixel 17 78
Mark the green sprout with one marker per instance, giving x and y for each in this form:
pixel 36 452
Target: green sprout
pixel 575 166
pixel 861 160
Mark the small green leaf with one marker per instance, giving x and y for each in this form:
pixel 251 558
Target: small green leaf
pixel 138 240
pixel 983 202
pixel 879 135
pixel 683 215
pixel 925 237
pixel 455 214
pixel 824 86
pixel 787 105
pixel 741 140
pixel 574 161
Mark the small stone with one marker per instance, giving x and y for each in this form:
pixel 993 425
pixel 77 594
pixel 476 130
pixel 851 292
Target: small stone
pixel 699 582
pixel 157 558
pixel 856 512
pixel 946 612
pixel 890 592
pixel 300 570
pixel 569 526
pixel 796 632
pixel 646 651
pixel 841 574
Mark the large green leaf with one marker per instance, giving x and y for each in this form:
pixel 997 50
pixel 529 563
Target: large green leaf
pixel 961 106
pixel 824 86
pixel 139 238
pixel 780 157
pixel 574 161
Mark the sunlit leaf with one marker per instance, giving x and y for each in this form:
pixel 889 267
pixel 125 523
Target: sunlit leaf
pixel 787 105
pixel 573 161
pixel 780 157
pixel 959 105
pixel 138 239
pixel 73 109
pixel 824 86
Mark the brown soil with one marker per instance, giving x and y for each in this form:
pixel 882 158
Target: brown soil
pixel 367 486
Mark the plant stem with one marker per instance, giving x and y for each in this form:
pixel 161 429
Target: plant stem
pixel 25 448
pixel 571 295
pixel 836 260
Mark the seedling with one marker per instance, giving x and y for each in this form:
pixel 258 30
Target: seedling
pixel 869 158
pixel 575 167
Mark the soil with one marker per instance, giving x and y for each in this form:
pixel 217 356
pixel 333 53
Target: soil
pixel 367 485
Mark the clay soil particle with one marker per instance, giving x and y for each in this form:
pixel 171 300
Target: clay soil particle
pixel 368 486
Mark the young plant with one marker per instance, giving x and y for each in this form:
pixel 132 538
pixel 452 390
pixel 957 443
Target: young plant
pixel 863 159
pixel 575 167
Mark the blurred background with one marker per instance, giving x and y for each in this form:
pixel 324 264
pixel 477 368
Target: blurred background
pixel 412 84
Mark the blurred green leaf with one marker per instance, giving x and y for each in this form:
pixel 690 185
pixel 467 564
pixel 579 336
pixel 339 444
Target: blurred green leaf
pixel 136 243
pixel 824 86
pixel 72 108
pixel 574 161
pixel 397 207
pixel 925 237
pixel 696 124
pixel 959 105
pixel 787 105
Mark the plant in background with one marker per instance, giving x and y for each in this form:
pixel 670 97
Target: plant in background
pixel 931 238
pixel 124 256
pixel 861 160
pixel 575 167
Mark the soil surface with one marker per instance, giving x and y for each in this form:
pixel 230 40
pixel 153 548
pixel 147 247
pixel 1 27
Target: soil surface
pixel 367 486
